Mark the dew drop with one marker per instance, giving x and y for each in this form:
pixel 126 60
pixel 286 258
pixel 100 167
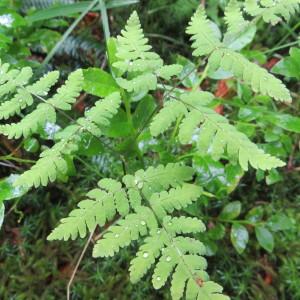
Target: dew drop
pixel 158 231
pixel 143 223
pixel 158 278
pixel 146 254
pixel 168 258
pixel 140 185
pixel 117 235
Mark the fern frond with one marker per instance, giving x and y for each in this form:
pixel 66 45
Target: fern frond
pixel 174 199
pixel 23 97
pixel 43 85
pixel 158 179
pixel 145 82
pixel 127 230
pixel 234 17
pixel 205 40
pixel 21 100
pixel 217 135
pixel 206 43
pixel 132 44
pixel 119 194
pixel 86 217
pixel 259 79
pixel 30 123
pixel 138 62
pixel 67 94
pixel 44 112
pixel 272 11
pixel 52 162
pixel 168 114
pixel 166 72
pixel 13 79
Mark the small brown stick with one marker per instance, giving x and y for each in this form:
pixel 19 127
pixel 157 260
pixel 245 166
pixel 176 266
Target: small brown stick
pixel 78 263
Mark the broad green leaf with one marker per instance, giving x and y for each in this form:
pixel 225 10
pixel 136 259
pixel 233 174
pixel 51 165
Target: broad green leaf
pixel 119 126
pixel 98 82
pixel 255 214
pixel 143 112
pixel 66 10
pixel 217 232
pixel 289 66
pixel 265 238
pixel 273 177
pixel 2 210
pixel 231 211
pixel 239 237
pixel 279 222
pixel 8 191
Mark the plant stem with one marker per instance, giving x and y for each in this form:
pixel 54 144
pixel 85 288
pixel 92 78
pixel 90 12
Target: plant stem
pixel 20 160
pixel 104 19
pixel 67 33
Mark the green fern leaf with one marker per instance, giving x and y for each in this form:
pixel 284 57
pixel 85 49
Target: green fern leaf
pixel 14 79
pixel 166 72
pixel 206 43
pixel 260 80
pixel 205 39
pixel 146 256
pixel 142 83
pixel 42 86
pixel 52 161
pixel 234 17
pixel 175 199
pixel 167 115
pixel 272 11
pixel 126 231
pixel 132 44
pixel 23 97
pixel 67 94
pixel 21 100
pixel 85 218
pixel 30 123
pixel 119 194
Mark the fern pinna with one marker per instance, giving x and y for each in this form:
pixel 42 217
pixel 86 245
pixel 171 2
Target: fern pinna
pixel 148 207
pixel 144 203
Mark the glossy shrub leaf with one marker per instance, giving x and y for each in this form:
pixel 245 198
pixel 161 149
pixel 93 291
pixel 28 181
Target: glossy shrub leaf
pixel 231 211
pixel 265 238
pixel 255 214
pixel 289 66
pixel 239 237
pixel 98 82
pixel 217 232
pixel 7 189
pixel 280 222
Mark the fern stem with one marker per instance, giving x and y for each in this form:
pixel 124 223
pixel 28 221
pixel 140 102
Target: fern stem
pixel 67 33
pixel 16 159
pixel 78 263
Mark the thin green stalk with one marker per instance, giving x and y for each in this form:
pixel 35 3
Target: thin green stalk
pixel 282 47
pixel 67 33
pixel 104 19
pixel 16 159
